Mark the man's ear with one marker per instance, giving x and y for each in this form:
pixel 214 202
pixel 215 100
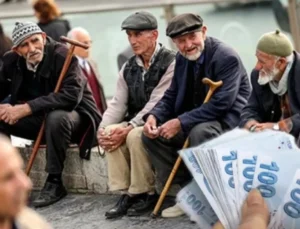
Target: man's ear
pixel 204 30
pixel 44 35
pixel 282 64
pixel 15 49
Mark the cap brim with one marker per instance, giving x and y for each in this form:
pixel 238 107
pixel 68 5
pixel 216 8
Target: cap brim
pixel 185 32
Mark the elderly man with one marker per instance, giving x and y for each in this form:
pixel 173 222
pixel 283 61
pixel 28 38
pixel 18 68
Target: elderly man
pixel 181 112
pixel 88 66
pixel 29 74
pixel 14 188
pixel 142 82
pixel 274 102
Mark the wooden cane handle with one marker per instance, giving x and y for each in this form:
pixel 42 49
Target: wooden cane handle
pixel 212 87
pixel 211 83
pixel 74 42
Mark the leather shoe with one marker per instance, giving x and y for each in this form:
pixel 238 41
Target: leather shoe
pixel 144 205
pixel 120 209
pixel 50 194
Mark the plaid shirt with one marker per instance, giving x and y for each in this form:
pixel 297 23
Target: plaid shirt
pixel 286 123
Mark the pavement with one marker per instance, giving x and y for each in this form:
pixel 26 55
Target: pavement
pixel 87 212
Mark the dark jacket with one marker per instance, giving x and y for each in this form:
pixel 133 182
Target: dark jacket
pixel 264 105
pixel 73 95
pixel 220 63
pixel 56 28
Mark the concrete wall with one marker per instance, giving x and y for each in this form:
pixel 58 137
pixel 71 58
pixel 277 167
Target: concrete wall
pixel 79 176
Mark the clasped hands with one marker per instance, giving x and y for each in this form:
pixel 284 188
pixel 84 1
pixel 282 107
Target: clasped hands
pixel 168 130
pixel 11 114
pixel 114 138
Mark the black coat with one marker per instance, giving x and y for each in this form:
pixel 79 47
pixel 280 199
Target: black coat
pixel 73 94
pixel 264 105
pixel 56 28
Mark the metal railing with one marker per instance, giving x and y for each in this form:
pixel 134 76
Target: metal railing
pixel 24 10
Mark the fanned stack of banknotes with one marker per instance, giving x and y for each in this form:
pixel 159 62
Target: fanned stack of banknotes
pixel 226 168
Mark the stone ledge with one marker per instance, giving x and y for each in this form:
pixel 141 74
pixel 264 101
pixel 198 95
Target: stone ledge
pixel 79 176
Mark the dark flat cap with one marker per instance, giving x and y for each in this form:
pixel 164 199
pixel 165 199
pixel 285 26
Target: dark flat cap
pixel 183 24
pixel 140 21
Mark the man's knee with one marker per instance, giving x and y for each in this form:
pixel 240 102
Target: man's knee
pixel 204 132
pixel 58 120
pixel 148 142
pixel 134 136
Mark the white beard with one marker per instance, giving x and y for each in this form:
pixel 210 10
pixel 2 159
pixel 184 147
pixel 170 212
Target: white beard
pixel 195 56
pixel 265 78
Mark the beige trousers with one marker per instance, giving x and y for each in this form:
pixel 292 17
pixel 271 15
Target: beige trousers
pixel 129 166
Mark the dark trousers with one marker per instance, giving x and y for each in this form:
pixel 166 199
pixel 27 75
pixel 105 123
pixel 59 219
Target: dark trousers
pixel 61 128
pixel 163 152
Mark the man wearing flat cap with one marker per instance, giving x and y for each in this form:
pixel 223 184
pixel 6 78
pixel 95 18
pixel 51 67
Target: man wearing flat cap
pixel 29 74
pixel 274 102
pixel 181 112
pixel 142 82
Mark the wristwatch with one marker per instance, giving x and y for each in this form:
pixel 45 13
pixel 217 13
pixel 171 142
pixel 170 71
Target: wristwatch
pixel 276 126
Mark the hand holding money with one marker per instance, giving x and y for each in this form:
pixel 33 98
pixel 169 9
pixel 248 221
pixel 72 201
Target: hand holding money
pixel 227 168
pixel 255 213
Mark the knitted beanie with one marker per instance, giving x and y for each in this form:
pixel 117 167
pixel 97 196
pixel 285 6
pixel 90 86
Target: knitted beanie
pixel 275 43
pixel 23 30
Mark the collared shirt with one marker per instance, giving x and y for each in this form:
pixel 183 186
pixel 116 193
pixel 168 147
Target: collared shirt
pixel 84 64
pixel 140 62
pixel 30 67
pixel 199 62
pixel 117 107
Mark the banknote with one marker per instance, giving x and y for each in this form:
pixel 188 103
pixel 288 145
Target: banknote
pixel 273 175
pixel 194 203
pixel 287 215
pixel 193 166
pixel 226 168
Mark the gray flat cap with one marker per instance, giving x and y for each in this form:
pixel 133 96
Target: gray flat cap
pixel 140 21
pixel 183 24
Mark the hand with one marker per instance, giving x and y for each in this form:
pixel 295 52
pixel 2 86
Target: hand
pixel 150 127
pixel 170 128
pixel 100 135
pixel 255 213
pixel 3 108
pixel 114 139
pixel 264 126
pixel 250 123
pixel 13 113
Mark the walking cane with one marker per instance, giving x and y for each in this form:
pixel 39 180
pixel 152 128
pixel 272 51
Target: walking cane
pixel 67 62
pixel 212 87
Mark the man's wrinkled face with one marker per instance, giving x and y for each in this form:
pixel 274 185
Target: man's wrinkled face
pixel 141 41
pixel 14 184
pixel 191 45
pixel 85 39
pixel 267 67
pixel 32 48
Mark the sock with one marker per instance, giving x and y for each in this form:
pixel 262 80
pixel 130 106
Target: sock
pixel 54 178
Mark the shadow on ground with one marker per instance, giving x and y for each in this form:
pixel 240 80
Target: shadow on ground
pixel 87 212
